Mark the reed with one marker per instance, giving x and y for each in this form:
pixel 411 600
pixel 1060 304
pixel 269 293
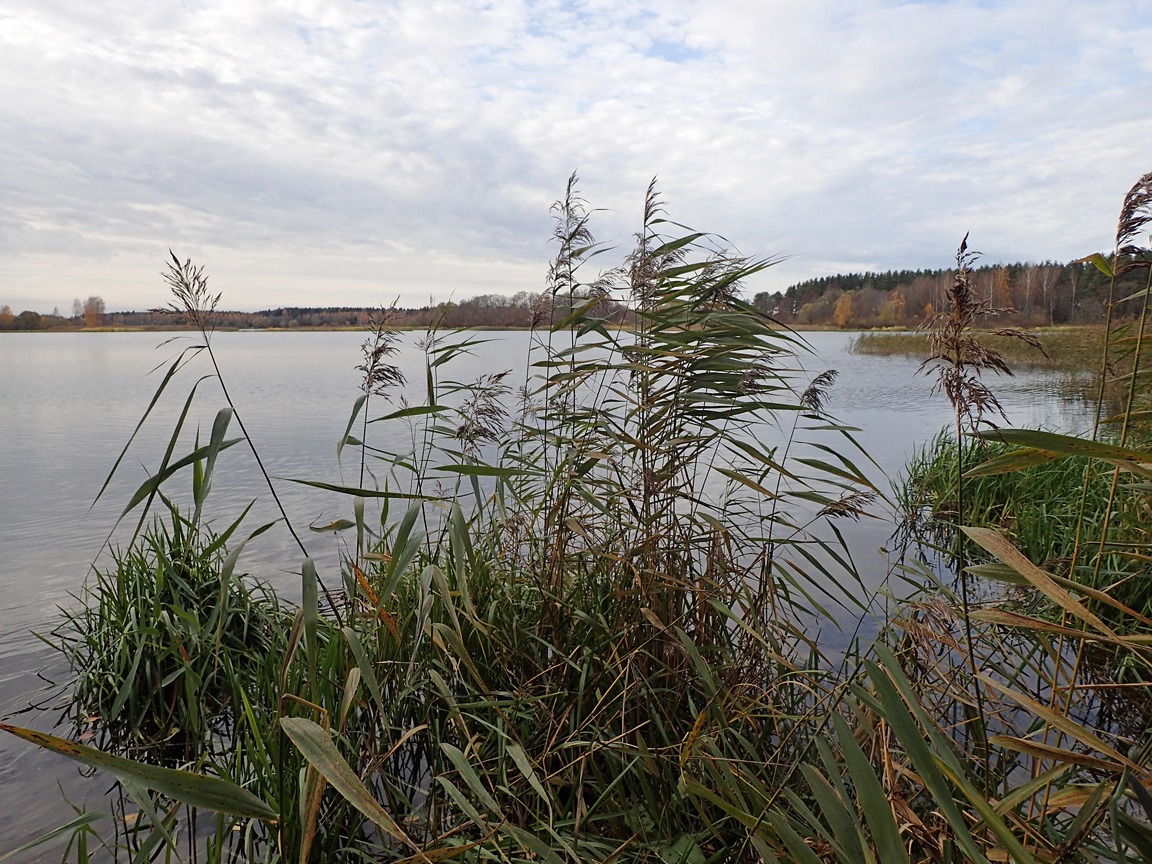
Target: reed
pixel 1068 349
pixel 1037 508
pixel 584 632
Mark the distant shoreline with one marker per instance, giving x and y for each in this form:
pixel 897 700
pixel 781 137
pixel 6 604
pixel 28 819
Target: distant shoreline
pixel 181 328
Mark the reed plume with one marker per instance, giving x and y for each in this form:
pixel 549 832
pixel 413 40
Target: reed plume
pixel 379 376
pixel 191 297
pixel 958 358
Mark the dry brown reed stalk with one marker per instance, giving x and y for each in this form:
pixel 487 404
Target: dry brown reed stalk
pixel 1135 214
pixel 958 359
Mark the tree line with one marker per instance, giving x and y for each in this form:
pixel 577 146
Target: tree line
pixel 1033 295
pixel 523 309
pixel 87 313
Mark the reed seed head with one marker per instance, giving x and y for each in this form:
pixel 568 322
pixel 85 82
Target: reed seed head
pixel 482 415
pixel 191 297
pixel 814 397
pixel 379 376
pixel 957 356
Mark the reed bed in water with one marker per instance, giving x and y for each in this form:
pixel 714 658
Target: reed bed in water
pixel 1068 349
pixel 1038 508
pixel 582 630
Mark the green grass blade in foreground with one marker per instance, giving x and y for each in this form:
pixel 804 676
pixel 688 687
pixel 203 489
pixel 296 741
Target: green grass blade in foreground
pixel 80 823
pixel 219 429
pixel 172 370
pixel 152 485
pixel 360 400
pixel 909 735
pixel 871 797
pixel 941 753
pixel 196 790
pixel 1067 445
pixel 845 825
pixel 364 665
pixel 309 605
pixel 316 746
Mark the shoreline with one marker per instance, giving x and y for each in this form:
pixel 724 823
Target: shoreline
pixel 180 328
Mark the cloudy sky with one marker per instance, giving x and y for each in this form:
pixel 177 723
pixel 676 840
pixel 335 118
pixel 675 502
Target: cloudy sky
pixel 341 152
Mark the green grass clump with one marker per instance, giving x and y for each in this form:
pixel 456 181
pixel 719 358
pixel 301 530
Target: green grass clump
pixel 1038 508
pixel 1053 512
pixel 165 636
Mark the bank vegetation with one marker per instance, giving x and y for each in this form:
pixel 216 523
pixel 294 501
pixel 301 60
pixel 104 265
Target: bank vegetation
pixel 585 629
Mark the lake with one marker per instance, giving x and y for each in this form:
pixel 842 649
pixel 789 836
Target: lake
pixel 70 401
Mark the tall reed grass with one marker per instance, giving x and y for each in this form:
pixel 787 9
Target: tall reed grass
pixel 580 631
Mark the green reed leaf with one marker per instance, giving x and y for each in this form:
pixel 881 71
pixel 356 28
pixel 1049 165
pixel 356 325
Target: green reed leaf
pixel 316 746
pixel 152 485
pixel 1066 445
pixel 471 778
pixel 364 665
pixel 356 406
pixel 219 429
pixel 310 607
pixel 80 823
pixel 1098 261
pixel 355 490
pixel 172 370
pixel 870 796
pixel 196 790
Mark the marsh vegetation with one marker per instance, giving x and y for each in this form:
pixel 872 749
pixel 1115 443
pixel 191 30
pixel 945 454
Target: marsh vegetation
pixel 1067 349
pixel 580 628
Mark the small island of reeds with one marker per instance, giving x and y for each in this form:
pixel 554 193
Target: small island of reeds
pixel 581 623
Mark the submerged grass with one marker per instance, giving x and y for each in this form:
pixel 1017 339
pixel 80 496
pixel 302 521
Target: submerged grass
pixel 582 632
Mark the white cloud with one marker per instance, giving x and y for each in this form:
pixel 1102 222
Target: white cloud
pixel 346 152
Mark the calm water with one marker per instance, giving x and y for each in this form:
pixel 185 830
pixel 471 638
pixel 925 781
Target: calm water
pixel 69 402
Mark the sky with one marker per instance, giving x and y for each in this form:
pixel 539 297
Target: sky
pixel 356 152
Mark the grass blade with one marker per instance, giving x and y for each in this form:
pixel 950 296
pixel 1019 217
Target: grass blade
pixel 316 746
pixel 196 790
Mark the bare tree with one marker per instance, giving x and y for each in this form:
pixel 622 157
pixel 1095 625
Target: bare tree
pixel 1049 274
pixel 1029 274
pixel 1074 278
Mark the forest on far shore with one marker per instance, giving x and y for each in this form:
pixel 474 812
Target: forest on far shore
pixel 1034 295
